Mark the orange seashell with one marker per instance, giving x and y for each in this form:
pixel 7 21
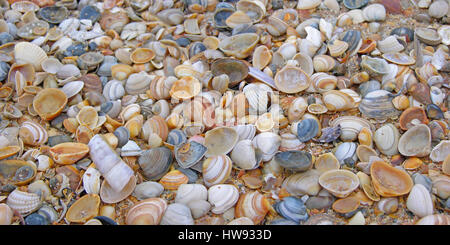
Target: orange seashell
pixel 185 88
pixel 412 163
pixel 368 45
pixel 84 208
pixel 253 205
pixel 16 172
pixel 25 100
pixel 121 71
pixel 5 92
pixel 412 116
pixel 68 152
pixel 401 102
pixel 173 179
pixel 365 137
pixel 88 116
pixel 134 125
pixel 389 181
pixel 421 93
pixel 146 212
pixel 33 133
pixel 8 151
pixel 216 170
pixel 346 205
pixel 49 103
pixel 83 134
pixel 157 125
pixel 142 55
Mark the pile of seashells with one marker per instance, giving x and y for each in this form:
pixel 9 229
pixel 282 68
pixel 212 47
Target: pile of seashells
pixel 182 112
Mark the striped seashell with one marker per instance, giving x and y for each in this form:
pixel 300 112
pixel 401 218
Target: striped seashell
pixel 129 112
pixel 435 219
pixel 113 90
pixel 92 82
pixel 146 212
pixel 173 179
pixel 253 205
pixel 138 83
pixel 222 197
pixel 91 181
pixel 246 131
pixel 303 183
pixel 337 101
pixel 157 125
pixel 155 162
pixel 72 88
pixel 177 214
pixel 323 63
pixel 290 142
pixel 323 82
pixel 350 126
pixel 216 170
pixel 337 48
pixel 33 133
pixel 187 193
pixel 23 202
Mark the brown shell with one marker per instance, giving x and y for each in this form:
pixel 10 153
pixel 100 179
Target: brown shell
pixel 421 93
pixel 84 209
pixel 346 205
pixel 367 46
pixel 411 116
pixel 389 181
pixel 142 55
pixel 412 163
pixel 92 82
pixel 9 168
pixel 68 152
pixel 49 103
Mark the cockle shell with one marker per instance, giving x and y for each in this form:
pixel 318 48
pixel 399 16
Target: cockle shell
pixel 28 53
pixel 389 181
pixel 23 202
pixel 33 133
pixel 146 212
pixel 419 201
pixel 216 170
pixel 416 141
pixel 91 181
pixel 340 183
pixel 222 197
pixel 303 183
pixel 253 205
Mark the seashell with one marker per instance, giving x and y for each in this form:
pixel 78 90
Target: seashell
pixel 340 183
pixel 130 149
pixel 53 14
pixel 68 152
pixel 308 4
pixel 83 209
pixel 91 83
pixel 444 32
pixel 32 133
pixel 387 139
pixel 389 181
pixel 122 134
pixel 441 186
pixel 345 150
pixel 187 193
pixel 411 117
pixel 416 141
pixel 240 45
pixel 330 134
pixel 238 17
pixel 437 130
pixel 305 63
pixel 440 151
pixel 146 212
pixel 317 109
pixel 261 57
pixel 378 104
pixel 188 154
pixel 357 219
pixel 367 46
pixel 365 152
pixel 350 126
pixel 91 181
pixel 355 4
pixel 216 170
pixel 323 63
pixel 23 202
pixel 297 109
pixel 235 69
pixel 421 93
pixel 336 100
pixel 226 135
pixel 388 205
pixel 90 60
pixel 434 219
pixel 177 214
pixel 6 214
pixel 419 201
pixel 142 55
pixel 399 58
pixel 185 88
pixel 292 208
pixel 290 142
pixel 425 72
pixel 113 90
pixel 267 143
pixel 390 45
pixel 51 65
pixel 374 12
pixel 121 71
pixel 353 38
pixel 297 161
pixel 255 10
pixel 437 96
pixel 412 163
pixel 17 172
pixel 28 53
pixel 291 80
pixel 222 197
pixel 246 131
pixel 176 137
pixel 428 36
pixel 147 190
pixel 400 102
pixel 173 179
pixel 337 47
pixel 306 183
pixel 155 162
pixel 253 205
pixel 346 205
pixel 327 162
pixel 245 156
pixel 438 9
pixel 307 129
pixel 374 66
pixel 157 125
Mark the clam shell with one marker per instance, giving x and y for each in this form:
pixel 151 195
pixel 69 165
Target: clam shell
pixel 240 45
pixel 33 133
pixel 138 83
pixel 428 36
pixel 227 137
pixel 346 205
pixel 246 131
pixel 378 104
pixel 374 12
pixel 350 126
pixel 440 151
pixel 340 183
pixel 83 209
pixel 399 58
pixel 235 69
pixel 113 90
pixel 49 103
pixel 434 219
pixel 261 57
pixel 177 214
pixel 419 201
pixel 245 156
pixel 323 63
pixel 222 197
pixel 68 153
pixel 389 181
pixel 307 129
pixel 253 205
pixel 416 141
pixel 365 152
pixel 388 205
pixel 157 125
pixel 327 162
pixel 292 208
pixel 17 172
pixel 23 202
pixel 390 45
pixel 91 181
pixel 216 170
pixel 267 143
pixel 386 139
pixel 303 183
pixel 255 10
pixel 185 88
pixel 411 117
pixel 189 153
pixel 155 162
pixel 173 179
pixel 337 100
pixel 6 214
pixel 146 212
pixel 290 142
pixel 187 193
pixel 292 80
pixel 298 161
pixel 147 190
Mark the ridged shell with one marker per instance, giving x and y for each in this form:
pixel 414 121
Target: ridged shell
pixel 419 201
pixel 177 214
pixel 216 170
pixel 29 53
pixel 389 181
pixel 23 202
pixel 340 183
pixel 253 205
pixel 91 181
pixel 222 197
pixel 386 139
pixel 155 162
pixel 416 141
pixel 146 212
pixel 33 133
pixel 173 179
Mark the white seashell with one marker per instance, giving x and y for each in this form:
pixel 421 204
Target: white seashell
pixel 23 202
pixel 419 201
pixel 345 150
pixel 306 183
pixel 424 4
pixel 241 221
pixel 287 50
pixel 91 181
pixel 438 9
pixel 131 148
pixel 307 47
pixel 67 71
pixel 308 4
pixel 222 197
pixel 132 30
pixel 332 5
pixel 138 83
pixel 268 143
pixel 62 44
pixel 326 28
pixel 416 141
pixel 444 32
pixel 199 208
pixel 72 88
pixel 356 15
pixel 357 219
pixel 28 53
pixel 245 132
pixel 177 214
pixel 51 65
pixel 314 36
pixel 390 45
pixel 386 139
pixel 148 189
pixel 113 90
pixel 351 126
pixel 244 155
pixel 437 96
pixel 44 163
pixel 216 169
pixel 435 219
pixel 374 12
pixel 440 151
pixel 190 192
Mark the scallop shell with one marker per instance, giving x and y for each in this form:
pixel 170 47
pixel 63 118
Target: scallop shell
pixel 416 141
pixel 23 202
pixel 28 53
pixel 216 170
pixel 253 205
pixel 222 197
pixel 303 183
pixel 146 212
pixel 33 133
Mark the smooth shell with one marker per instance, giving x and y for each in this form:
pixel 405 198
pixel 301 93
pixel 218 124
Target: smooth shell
pixel 389 181
pixel 340 183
